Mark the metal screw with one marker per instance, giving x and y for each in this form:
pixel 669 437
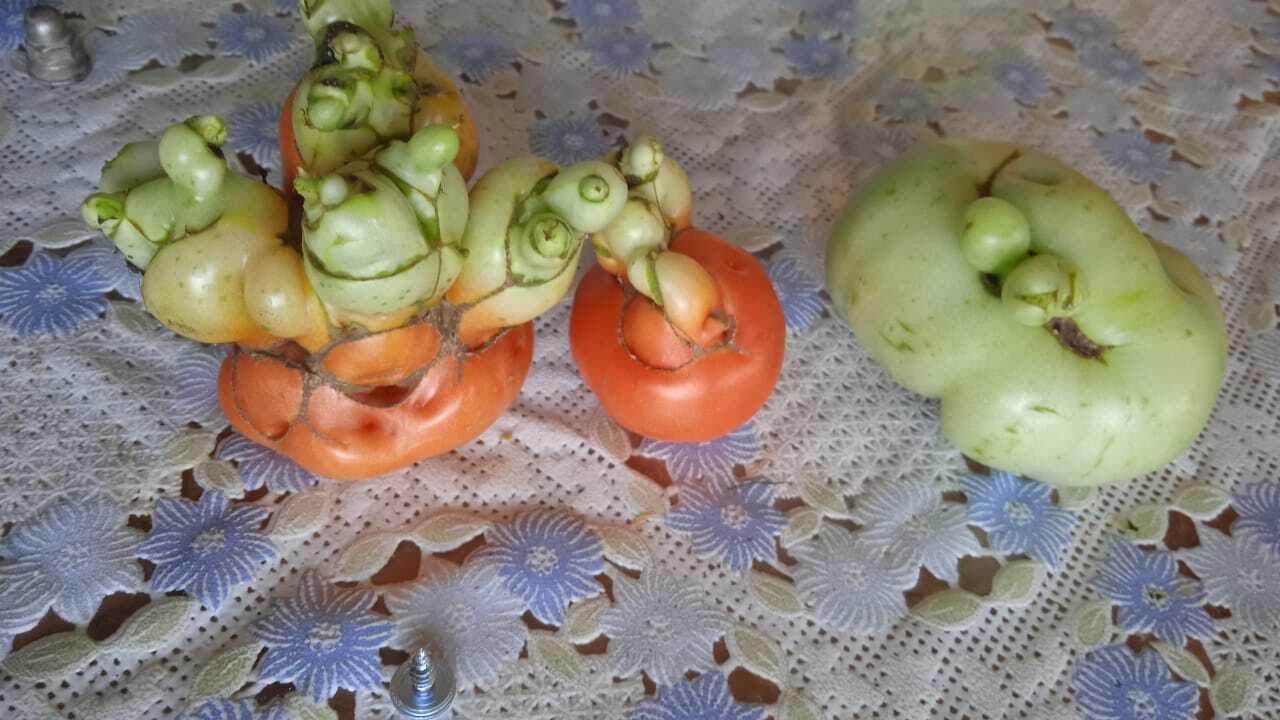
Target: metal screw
pixel 421 690
pixel 55 54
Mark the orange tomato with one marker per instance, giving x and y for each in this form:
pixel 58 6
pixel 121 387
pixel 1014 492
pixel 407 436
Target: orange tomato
pixel 290 157
pixel 649 380
pixel 358 436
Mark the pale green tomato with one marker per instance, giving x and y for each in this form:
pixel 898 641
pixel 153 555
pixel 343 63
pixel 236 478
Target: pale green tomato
pixel 1149 344
pixel 195 285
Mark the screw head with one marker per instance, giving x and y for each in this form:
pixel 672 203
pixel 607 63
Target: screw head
pixel 45 27
pixel 423 687
pixel 54 53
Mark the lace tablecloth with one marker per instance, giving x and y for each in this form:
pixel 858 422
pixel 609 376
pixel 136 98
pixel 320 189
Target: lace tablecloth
pixel 832 559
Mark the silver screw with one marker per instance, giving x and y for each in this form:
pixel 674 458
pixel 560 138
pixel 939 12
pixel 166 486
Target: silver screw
pixel 55 54
pixel 421 690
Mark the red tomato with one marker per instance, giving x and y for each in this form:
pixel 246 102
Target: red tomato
pixel 705 397
pixel 354 437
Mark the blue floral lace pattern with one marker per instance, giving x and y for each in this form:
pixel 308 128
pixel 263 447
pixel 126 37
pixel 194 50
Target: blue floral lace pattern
pixel 850 586
pixel 468 613
pixel 547 558
pixel 734 521
pixel 49 295
pixel 706 698
pixel 207 547
pixel 911 520
pixel 1019 515
pixel 688 462
pixel 662 627
pixel 1151 595
pixel 66 556
pixel 323 639
pixel 263 467
pixel 1114 683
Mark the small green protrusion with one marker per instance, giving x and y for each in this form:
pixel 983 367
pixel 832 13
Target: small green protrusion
pixel 433 147
pixel 209 127
pixel 593 188
pixel 642 159
pixel 551 237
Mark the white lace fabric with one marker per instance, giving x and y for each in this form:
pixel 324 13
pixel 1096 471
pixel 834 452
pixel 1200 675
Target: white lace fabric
pixel 105 406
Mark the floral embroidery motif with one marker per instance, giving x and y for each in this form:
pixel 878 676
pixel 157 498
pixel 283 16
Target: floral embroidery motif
pixel 735 521
pixel 1131 153
pixel 1084 28
pixel 1114 63
pixel 1239 573
pixel 196 392
pixel 904 101
pixel 706 698
pixel 255 129
pixel 851 586
pixel 619 52
pixel 1112 683
pixel 662 627
pixel 1152 597
pixel 1259 510
pixel 747 58
pixel 235 710
pixel 206 547
pixel 876 145
pixel 568 139
pixel 1021 77
pixel 253 35
pixel 690 461
pixel 261 466
pixel 323 639
pixel 469 613
pixel 109 263
pixel 51 296
pixel 548 558
pixel 1018 515
pixel 603 14
pixel 13 15
pixel 816 58
pixel 160 34
pixel 797 293
pixel 67 556
pixel 909 519
pixel 478 55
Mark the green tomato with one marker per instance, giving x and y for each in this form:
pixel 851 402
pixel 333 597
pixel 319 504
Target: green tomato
pixel 1096 359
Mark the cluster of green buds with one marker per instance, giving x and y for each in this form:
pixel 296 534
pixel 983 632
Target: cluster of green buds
pixel 382 236
pixel 174 210
pixel 156 192
pixel 529 220
pixel 361 91
pixel 635 244
pixel 1036 288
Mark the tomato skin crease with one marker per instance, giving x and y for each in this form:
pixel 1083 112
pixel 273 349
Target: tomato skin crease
pixel 707 398
pixel 348 438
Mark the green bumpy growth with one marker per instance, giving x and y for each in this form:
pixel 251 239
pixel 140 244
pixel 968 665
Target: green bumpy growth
pixel 383 235
pixel 361 92
pixel 156 192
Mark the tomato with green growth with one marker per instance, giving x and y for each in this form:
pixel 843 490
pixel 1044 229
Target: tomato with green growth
pixel 1063 343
